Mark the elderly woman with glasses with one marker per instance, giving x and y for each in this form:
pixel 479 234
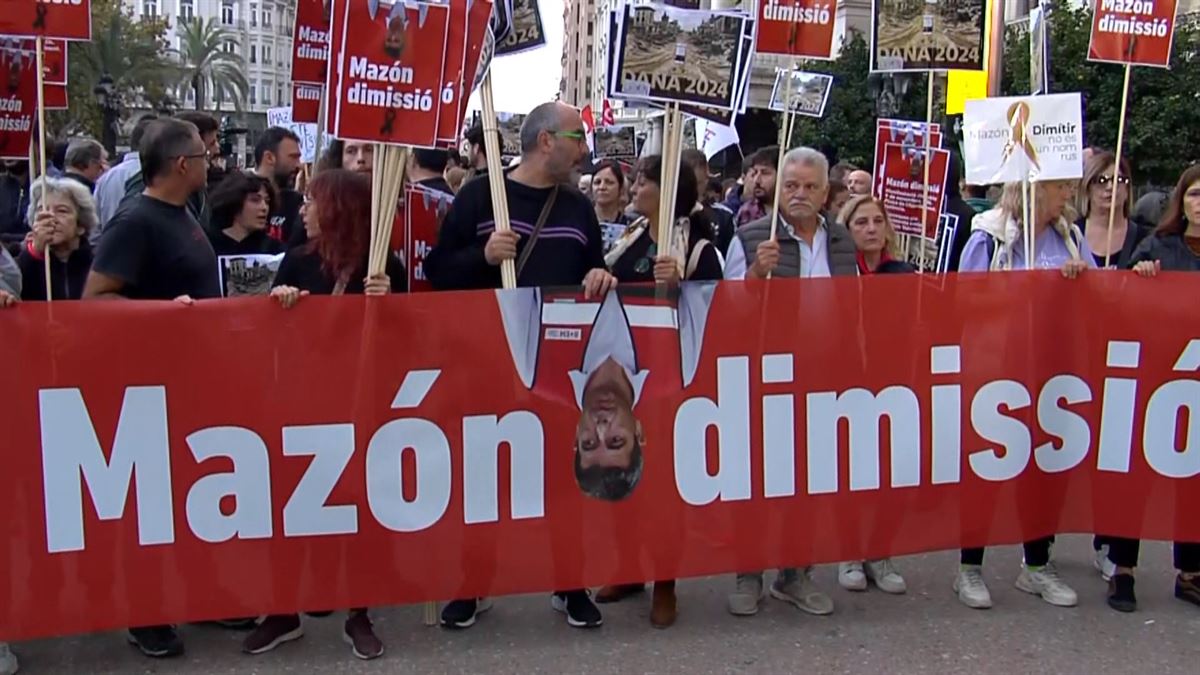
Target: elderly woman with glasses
pixel 62 212
pixel 1100 181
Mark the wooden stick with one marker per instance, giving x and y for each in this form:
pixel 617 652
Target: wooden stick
pixel 1027 217
pixel 39 47
pixel 431 614
pixel 1112 208
pixel 508 268
pixel 785 126
pixel 925 193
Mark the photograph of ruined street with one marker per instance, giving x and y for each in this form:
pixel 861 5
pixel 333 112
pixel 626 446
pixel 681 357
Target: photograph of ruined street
pixel 928 34
pixel 680 55
pixel 527 32
pixel 809 92
pixel 616 142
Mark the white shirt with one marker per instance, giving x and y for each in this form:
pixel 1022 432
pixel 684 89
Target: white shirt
pixel 611 338
pixel 814 260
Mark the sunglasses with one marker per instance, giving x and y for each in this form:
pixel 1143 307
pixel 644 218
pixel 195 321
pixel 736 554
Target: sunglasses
pixel 1105 180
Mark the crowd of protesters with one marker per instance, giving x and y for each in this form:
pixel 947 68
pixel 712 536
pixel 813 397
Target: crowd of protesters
pixel 151 228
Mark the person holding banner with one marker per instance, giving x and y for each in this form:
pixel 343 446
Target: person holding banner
pixel 1100 180
pixel 877 245
pixel 241 208
pixel 10 279
pixel 61 219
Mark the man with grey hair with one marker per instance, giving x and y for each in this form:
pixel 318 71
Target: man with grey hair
pixel 86 161
pixel 805 244
pixel 555 240
pixel 110 189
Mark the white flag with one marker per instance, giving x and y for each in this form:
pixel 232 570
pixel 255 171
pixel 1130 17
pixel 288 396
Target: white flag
pixel 713 138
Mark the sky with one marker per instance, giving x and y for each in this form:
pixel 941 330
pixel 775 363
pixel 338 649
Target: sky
pixel 522 81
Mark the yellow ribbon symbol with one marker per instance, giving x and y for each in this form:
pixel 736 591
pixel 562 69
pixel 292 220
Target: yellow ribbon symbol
pixel 1018 122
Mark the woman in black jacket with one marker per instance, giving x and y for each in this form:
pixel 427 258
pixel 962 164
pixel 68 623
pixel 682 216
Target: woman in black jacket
pixel 63 213
pixel 241 205
pixel 874 237
pixel 1100 180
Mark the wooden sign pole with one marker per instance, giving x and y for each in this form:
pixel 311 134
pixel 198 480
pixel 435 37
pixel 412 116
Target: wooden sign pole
pixel 1112 210
pixel 925 193
pixel 784 140
pixel 39 46
pixel 508 268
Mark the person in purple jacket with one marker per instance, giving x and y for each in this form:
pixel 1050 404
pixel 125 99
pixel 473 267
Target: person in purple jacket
pixel 997 243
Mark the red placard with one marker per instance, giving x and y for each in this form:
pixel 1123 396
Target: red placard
pixel 800 28
pixel 464 40
pixel 54 61
pixel 66 19
pixel 54 96
pixel 306 102
pixel 904 187
pixel 333 78
pixel 391 73
pixel 18 102
pixel 423 210
pixel 310 42
pixel 902 132
pixel 1139 32
pixel 401 434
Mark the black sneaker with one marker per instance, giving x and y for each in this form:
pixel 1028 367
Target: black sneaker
pixel 1120 593
pixel 462 613
pixel 157 642
pixel 578 606
pixel 245 623
pixel 1188 590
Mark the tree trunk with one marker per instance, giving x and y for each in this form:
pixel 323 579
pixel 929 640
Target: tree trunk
pixel 198 88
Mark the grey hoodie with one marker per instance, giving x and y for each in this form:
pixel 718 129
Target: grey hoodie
pixel 10 274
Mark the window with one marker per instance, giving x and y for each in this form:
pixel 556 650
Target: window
pixel 187 10
pixel 150 8
pixel 266 94
pixel 267 55
pixel 227 14
pixel 279 93
pixel 253 53
pixel 254 91
pixel 267 12
pixel 253 14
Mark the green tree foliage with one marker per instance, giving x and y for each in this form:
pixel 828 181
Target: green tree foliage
pixel 207 67
pixel 132 52
pixel 1161 134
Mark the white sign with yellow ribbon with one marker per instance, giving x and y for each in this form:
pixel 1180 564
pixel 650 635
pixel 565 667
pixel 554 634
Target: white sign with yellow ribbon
pixel 1020 138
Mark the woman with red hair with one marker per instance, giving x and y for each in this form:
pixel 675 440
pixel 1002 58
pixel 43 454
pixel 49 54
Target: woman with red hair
pixel 337 220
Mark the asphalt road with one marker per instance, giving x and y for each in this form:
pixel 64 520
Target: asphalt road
pixel 925 631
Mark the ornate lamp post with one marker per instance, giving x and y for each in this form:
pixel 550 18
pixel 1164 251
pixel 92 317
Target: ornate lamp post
pixel 110 109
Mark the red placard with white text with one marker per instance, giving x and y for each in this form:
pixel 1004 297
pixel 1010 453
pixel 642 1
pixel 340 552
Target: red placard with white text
pixel 310 42
pixel 424 210
pixel 464 41
pixel 54 96
pixel 905 133
pixel 904 187
pixel 54 61
pixel 18 101
pixel 306 102
pixel 391 73
pixel 66 19
pixel 1138 32
pixel 333 74
pixel 799 28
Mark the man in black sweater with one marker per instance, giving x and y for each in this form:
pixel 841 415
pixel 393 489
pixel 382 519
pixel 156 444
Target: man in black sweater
pixel 567 250
pixel 555 239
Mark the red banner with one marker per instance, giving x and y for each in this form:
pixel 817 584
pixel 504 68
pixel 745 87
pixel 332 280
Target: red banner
pixel 391 73
pixel 295 474
pixel 18 102
pixel 1139 32
pixel 306 103
pixel 799 28
pixel 904 188
pixel 310 42
pixel 66 19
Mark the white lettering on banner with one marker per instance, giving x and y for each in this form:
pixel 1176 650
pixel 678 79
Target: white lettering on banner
pixel 16 123
pixel 61 2
pixel 773 11
pixel 363 69
pixel 308 93
pixel 311 53
pixel 1002 413
pixel 308 34
pixel 12 104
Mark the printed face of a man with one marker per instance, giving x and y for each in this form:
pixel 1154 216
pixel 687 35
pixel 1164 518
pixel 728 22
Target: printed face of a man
pixel 607 430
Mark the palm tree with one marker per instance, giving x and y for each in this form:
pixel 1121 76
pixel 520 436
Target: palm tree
pixel 132 53
pixel 206 66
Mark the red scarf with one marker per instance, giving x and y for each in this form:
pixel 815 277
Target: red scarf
pixel 862 261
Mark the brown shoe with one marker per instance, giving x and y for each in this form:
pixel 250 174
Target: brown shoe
pixel 1188 589
pixel 272 632
pixel 359 635
pixel 618 592
pixel 662 608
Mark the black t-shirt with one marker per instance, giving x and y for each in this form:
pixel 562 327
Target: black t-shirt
pixel 285 217
pixel 436 183
pixel 159 251
pixel 255 242
pixel 636 264
pixel 569 246
pixel 301 268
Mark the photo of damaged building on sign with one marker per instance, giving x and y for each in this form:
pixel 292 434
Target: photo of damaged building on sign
pixel 928 35
pixel 680 55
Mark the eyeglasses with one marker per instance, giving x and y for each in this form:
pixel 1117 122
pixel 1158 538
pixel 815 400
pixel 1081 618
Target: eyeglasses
pixel 574 135
pixel 1105 180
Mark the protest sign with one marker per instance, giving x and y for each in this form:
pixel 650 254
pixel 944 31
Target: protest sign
pixel 307 131
pixel 526 32
pixel 18 101
pixel 1039 52
pixel 391 73
pixel 424 209
pixel 1023 137
pixel 616 142
pixel 501 20
pixel 798 28
pixel 310 42
pixel 667 55
pixel 54 96
pixel 907 134
pixel 1134 32
pixel 64 19
pixel 139 468
pixel 928 35
pixel 713 138
pixel 464 42
pixel 333 74
pixel 810 92
pixel 54 61
pixel 247 274
pixel 306 103
pixel 904 188
pixel 509 126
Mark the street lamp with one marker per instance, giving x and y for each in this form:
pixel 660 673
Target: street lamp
pixel 110 108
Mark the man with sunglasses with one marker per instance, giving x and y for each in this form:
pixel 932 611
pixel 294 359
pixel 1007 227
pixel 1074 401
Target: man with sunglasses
pixel 154 248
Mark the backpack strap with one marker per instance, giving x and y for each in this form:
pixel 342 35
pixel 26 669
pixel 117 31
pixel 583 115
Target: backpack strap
pixel 694 258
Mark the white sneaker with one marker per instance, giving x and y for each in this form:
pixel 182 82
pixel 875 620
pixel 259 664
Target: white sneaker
pixel 8 660
pixel 885 576
pixel 1103 564
pixel 971 589
pixel 1044 581
pixel 851 576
